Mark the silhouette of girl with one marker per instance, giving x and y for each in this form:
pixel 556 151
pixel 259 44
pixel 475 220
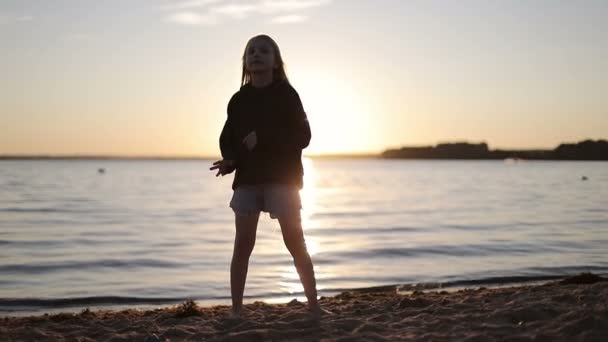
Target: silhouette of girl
pixel 262 140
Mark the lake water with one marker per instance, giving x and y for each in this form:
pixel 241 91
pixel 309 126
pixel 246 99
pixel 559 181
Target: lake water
pixel 152 233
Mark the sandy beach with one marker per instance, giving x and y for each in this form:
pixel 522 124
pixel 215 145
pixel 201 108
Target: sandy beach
pixel 573 309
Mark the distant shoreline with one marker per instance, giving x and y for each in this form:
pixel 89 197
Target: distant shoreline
pixel 320 157
pixel 93 157
pixel 587 150
pixel 104 157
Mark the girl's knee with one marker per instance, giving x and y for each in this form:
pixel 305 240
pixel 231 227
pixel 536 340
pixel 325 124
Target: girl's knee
pixel 244 243
pixel 302 260
pixel 293 239
pixel 242 252
pixel 296 247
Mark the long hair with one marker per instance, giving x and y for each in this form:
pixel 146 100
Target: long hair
pixel 278 73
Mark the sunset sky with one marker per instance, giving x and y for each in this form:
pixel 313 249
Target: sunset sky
pixel 153 77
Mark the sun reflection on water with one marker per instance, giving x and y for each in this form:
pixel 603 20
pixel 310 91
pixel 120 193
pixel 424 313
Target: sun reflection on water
pixel 308 194
pixel 289 280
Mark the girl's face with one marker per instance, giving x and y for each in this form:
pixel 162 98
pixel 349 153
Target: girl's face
pixel 259 56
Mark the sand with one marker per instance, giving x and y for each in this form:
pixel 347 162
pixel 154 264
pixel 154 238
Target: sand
pixel 571 310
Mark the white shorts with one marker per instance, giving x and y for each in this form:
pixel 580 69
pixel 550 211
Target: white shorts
pixel 275 199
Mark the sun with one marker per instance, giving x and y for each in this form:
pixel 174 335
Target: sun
pixel 339 116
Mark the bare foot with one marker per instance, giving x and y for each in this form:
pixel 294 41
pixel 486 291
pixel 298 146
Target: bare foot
pixel 318 312
pixel 236 313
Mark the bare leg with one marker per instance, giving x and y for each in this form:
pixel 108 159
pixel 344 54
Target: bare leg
pixel 291 226
pixel 244 240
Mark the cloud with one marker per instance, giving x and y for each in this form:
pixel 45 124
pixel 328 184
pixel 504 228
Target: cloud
pixel 7 18
pixel 289 19
pixel 25 18
pixel 290 5
pixel 211 12
pixel 237 11
pixel 191 18
pixel 189 4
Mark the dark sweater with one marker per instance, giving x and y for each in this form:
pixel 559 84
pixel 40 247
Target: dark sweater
pixel 276 114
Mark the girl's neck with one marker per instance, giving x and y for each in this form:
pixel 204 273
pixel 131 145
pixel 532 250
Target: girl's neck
pixel 261 79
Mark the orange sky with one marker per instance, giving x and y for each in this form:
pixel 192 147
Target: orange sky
pixel 153 77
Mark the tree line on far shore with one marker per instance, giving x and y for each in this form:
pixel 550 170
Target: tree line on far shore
pixel 584 150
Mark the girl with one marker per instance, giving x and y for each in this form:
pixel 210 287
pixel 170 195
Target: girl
pixel 262 140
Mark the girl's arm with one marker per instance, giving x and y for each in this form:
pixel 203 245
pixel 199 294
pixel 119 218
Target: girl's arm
pixel 227 146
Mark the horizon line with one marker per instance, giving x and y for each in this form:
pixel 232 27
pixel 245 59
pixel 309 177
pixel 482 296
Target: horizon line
pixel 355 154
pixel 161 157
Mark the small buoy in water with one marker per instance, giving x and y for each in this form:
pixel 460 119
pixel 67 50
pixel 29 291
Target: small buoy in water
pixel 584 178
pixel 101 170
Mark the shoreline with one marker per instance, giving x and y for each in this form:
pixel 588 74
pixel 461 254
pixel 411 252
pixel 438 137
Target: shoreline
pixel 25 307
pixel 574 308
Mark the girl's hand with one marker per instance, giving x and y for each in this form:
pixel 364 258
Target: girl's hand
pixel 223 167
pixel 250 140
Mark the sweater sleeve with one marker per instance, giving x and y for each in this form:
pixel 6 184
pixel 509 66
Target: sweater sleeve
pixel 227 138
pixel 294 135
